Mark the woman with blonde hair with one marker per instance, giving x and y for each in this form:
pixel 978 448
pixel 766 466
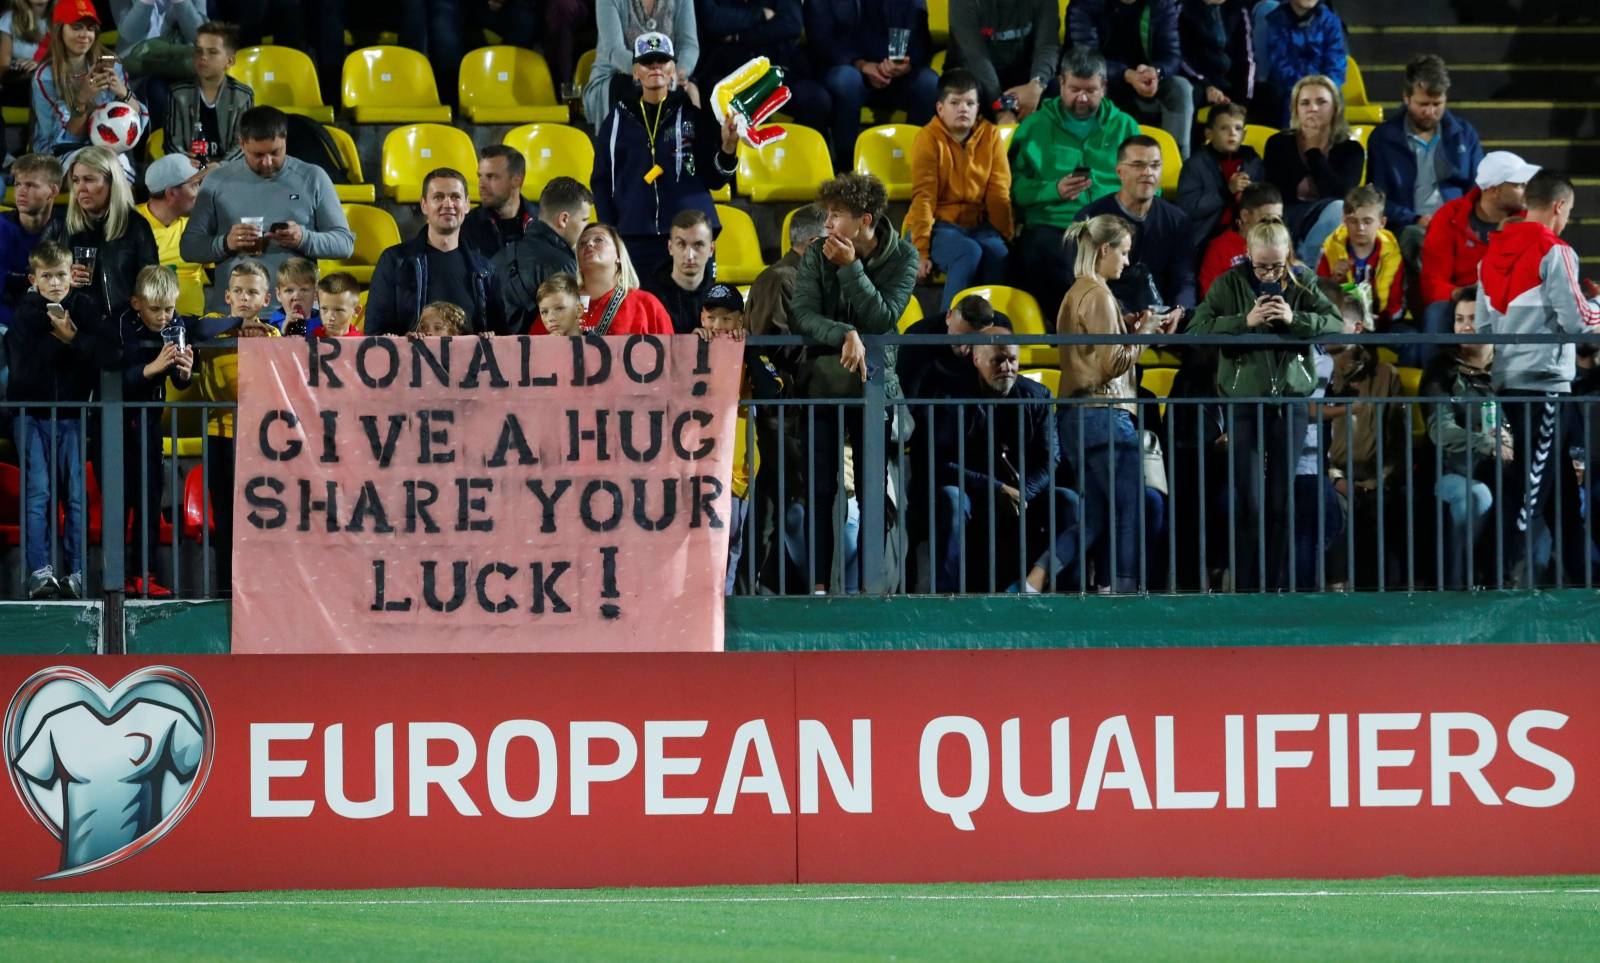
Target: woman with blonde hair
pixel 613 301
pixel 110 241
pixel 1265 295
pixel 1097 434
pixel 79 76
pixel 1314 164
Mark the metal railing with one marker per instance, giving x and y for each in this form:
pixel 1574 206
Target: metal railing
pixel 1217 527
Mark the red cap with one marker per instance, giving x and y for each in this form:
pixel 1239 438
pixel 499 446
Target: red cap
pixel 73 11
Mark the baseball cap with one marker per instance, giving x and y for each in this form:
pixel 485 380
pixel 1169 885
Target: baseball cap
pixel 650 47
pixel 1503 167
pixel 168 172
pixel 73 11
pixel 723 296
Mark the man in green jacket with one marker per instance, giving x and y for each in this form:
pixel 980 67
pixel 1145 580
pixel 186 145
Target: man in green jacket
pixel 857 281
pixel 1063 156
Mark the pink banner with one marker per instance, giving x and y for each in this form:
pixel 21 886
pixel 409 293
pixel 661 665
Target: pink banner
pixel 467 495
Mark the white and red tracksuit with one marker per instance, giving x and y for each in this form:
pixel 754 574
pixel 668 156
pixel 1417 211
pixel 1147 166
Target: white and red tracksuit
pixel 1528 284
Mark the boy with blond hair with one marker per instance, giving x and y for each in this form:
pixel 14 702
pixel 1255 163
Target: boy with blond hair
pixel 155 349
pixel 1362 251
pixel 339 297
pixel 560 305
pixel 297 297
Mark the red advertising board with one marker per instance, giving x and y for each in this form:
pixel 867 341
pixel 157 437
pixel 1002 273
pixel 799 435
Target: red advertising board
pixel 246 772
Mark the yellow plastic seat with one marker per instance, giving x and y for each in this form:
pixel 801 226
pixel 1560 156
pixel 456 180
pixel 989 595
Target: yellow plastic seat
pixel 1049 377
pixel 1360 134
pixel 1157 358
pixel 410 152
pixel 17 117
pixel 885 152
pixel 1171 160
pixel 1256 136
pixel 1158 381
pixel 585 67
pixel 738 247
pixel 911 315
pixel 937 61
pixel 375 230
pixel 282 77
pixel 1357 109
pixel 723 194
pixel 359 192
pixel 392 85
pixel 1411 385
pixel 1006 133
pixel 939 21
pixel 508 85
pixel 156 144
pixel 191 296
pixel 783 234
pixel 1026 318
pixel 552 150
pixel 191 427
pixel 787 170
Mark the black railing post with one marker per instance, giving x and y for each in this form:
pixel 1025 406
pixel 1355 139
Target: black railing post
pixel 874 469
pixel 113 512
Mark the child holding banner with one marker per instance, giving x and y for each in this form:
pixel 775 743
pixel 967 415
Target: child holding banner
pixel 722 316
pixel 339 312
pixel 249 291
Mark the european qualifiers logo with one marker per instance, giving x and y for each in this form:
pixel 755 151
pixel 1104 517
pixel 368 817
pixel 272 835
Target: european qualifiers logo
pixel 108 772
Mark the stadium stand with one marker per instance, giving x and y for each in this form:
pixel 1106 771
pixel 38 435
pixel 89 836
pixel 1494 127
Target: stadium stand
pixel 284 78
pixel 391 85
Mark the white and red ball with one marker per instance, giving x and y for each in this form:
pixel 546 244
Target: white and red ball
pixel 115 126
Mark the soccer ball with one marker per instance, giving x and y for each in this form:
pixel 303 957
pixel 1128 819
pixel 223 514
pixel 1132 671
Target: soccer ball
pixel 115 126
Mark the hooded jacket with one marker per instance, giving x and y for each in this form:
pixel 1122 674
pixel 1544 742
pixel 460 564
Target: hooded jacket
pixel 1203 191
pixel 964 184
pixel 1264 372
pixel 1528 284
pixel 1392 167
pixel 400 290
pixel 1043 151
pixel 1388 272
pixel 867 296
pixel 688 149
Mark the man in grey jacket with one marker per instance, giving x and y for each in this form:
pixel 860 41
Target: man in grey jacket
pixel 1528 283
pixel 265 205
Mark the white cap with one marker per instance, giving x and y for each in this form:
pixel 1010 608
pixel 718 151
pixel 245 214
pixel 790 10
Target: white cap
pixel 1503 167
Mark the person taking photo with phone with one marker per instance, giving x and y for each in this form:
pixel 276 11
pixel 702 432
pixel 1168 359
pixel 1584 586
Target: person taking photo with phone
pixel 80 76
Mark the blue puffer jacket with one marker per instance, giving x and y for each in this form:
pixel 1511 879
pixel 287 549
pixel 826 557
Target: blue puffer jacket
pixel 1089 22
pixel 1392 167
pixel 1304 46
pixel 688 148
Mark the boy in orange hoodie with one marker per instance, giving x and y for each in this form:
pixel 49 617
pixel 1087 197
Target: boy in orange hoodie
pixel 960 216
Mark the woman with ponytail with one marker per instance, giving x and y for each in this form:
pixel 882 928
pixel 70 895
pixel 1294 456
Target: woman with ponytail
pixel 1265 295
pixel 1097 434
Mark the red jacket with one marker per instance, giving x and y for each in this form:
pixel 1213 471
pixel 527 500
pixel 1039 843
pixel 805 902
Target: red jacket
pixel 1224 251
pixel 1451 251
pixel 640 313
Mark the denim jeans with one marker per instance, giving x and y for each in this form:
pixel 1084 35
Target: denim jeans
pixel 968 256
pixel 1308 546
pixel 1327 221
pixel 914 93
pixel 1468 501
pixel 961 518
pixel 55 463
pixel 1111 472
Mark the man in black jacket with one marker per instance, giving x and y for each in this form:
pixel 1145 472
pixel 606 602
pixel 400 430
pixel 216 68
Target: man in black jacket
pixel 549 246
pixel 995 465
pixel 435 266
pixel 680 284
pixel 502 216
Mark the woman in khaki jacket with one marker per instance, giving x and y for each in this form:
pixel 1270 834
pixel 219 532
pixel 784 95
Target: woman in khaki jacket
pixel 1097 432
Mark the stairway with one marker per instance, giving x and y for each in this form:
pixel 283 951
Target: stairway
pixel 1523 73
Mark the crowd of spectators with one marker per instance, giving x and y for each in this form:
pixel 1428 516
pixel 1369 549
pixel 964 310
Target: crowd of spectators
pixel 1037 165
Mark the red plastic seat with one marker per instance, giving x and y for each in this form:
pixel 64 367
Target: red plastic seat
pixel 194 494
pixel 10 505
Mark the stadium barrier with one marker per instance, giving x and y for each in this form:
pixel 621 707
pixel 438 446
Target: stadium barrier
pixel 293 772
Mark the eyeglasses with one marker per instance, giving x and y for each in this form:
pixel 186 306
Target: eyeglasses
pixel 1268 270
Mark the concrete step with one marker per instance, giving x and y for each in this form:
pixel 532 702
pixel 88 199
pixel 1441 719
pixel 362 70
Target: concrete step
pixel 1473 44
pixel 1409 13
pixel 1489 81
pixel 1577 156
pixel 1532 119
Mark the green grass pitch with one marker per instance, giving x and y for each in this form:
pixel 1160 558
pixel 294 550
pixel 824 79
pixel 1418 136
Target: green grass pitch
pixel 1544 918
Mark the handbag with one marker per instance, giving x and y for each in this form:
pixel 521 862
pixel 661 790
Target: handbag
pixel 1155 466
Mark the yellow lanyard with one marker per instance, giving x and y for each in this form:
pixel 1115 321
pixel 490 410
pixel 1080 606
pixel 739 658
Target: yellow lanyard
pixel 650 132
